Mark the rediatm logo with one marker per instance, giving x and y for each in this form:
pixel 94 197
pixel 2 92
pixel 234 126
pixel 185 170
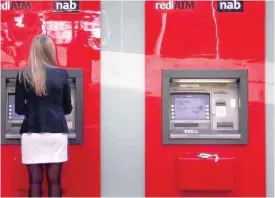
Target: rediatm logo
pixel 66 6
pixel 172 5
pixel 230 5
pixel 15 5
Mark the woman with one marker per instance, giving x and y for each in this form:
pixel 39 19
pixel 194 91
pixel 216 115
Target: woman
pixel 43 96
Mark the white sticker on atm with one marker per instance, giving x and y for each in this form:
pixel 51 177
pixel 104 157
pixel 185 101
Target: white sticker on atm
pixel 233 103
pixel 221 111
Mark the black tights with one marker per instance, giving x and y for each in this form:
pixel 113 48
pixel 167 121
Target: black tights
pixel 53 172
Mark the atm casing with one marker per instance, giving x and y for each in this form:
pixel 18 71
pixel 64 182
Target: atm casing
pixel 213 83
pixel 10 135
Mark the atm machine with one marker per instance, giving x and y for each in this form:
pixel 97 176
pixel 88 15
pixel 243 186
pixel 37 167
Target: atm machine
pixel 11 122
pixel 205 107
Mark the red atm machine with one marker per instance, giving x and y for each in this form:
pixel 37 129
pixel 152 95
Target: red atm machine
pixel 74 29
pixel 205 99
pixel 200 108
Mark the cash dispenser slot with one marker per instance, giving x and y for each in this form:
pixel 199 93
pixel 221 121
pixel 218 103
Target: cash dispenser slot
pixel 11 122
pixel 220 103
pixel 186 125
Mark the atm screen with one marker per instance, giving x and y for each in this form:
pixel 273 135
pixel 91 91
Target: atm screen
pixel 190 106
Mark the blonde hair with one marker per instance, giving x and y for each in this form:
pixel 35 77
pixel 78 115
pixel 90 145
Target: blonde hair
pixel 42 55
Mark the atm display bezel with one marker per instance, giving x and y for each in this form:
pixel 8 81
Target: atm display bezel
pixel 241 77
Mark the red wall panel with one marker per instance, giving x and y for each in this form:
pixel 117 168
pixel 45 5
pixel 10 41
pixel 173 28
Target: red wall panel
pixel 202 38
pixel 78 44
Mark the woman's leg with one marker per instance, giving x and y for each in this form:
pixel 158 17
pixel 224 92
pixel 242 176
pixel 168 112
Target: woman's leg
pixel 35 179
pixel 54 179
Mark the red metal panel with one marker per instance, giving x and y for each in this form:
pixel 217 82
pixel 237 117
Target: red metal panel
pixel 196 174
pixel 78 43
pixel 202 38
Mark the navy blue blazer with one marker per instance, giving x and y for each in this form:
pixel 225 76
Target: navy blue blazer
pixel 45 113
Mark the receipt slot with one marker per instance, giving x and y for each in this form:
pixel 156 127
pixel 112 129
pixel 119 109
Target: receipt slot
pixel 205 107
pixel 11 122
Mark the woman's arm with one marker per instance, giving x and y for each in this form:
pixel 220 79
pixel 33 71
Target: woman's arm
pixel 20 96
pixel 67 101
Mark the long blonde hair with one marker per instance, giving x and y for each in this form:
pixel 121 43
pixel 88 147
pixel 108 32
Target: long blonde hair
pixel 42 55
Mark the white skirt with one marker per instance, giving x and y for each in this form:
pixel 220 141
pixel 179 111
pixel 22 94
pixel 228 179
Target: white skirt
pixel 37 148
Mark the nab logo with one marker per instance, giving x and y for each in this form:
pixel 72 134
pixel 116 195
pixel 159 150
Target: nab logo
pixel 66 6
pixel 230 5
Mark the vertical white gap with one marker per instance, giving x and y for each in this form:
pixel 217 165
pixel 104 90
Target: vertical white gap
pixel 122 101
pixel 269 97
pixel 273 66
pixel 121 26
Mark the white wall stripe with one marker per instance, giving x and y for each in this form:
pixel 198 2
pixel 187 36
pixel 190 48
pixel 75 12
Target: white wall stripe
pixel 122 100
pixel 269 90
